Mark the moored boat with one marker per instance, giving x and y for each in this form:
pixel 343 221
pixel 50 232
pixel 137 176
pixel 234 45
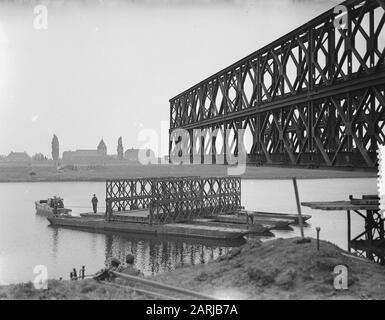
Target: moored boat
pixel 51 206
pixel 260 214
pixel 273 223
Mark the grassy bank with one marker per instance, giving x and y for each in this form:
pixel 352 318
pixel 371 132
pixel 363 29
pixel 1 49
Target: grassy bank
pixel 66 290
pixel 34 173
pixel 277 269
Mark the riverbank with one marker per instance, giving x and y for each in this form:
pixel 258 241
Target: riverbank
pixel 282 269
pixel 88 289
pixel 49 173
pixel 277 269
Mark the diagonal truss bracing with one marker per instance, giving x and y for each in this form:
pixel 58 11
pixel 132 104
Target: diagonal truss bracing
pixel 172 199
pixel 314 96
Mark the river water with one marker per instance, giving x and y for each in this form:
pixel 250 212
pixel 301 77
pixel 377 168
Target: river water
pixel 27 240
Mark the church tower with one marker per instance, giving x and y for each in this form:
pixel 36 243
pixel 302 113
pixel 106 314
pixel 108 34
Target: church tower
pixel 102 148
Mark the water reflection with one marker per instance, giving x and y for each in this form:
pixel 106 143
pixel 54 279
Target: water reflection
pixel 27 238
pixel 156 254
pixel 55 242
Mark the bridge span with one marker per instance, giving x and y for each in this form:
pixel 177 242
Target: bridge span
pixel 315 96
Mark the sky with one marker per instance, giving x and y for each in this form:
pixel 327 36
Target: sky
pixel 104 69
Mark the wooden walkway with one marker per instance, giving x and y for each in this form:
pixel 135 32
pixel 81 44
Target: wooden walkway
pixel 339 206
pixel 370 243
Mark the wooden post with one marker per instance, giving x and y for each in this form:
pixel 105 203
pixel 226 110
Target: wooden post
pixel 318 230
pixel 109 210
pixel 349 231
pixel 151 206
pixel 298 207
pixel 369 226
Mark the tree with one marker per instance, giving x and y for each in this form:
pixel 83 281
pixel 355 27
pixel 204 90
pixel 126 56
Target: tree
pixel 39 157
pixel 55 148
pixel 120 149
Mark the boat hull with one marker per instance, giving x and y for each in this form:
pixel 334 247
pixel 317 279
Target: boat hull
pixel 272 222
pixel 285 216
pixel 44 209
pixel 172 229
pixel 92 215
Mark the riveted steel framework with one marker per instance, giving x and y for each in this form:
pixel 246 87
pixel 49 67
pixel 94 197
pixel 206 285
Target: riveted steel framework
pixel 174 199
pixel 191 198
pixel 370 243
pixel 314 96
pixel 129 194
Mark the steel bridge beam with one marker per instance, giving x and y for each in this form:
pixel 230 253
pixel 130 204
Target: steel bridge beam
pixel 288 94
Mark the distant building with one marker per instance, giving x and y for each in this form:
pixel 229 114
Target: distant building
pixel 132 154
pixel 39 157
pixel 18 157
pixel 87 156
pixel 102 148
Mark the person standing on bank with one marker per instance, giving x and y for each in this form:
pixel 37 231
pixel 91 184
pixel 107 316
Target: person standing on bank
pixel 130 269
pixel 94 203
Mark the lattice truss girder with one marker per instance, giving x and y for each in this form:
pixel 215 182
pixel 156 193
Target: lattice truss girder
pixel 287 81
pixel 330 129
pixel 173 198
pixel 197 197
pixel 209 144
pixel 129 194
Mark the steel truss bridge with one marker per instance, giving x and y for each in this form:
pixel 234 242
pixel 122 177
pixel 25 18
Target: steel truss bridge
pixel 315 96
pixel 171 199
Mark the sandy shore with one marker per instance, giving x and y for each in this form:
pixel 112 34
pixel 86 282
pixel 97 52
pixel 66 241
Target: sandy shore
pixel 277 269
pixel 34 173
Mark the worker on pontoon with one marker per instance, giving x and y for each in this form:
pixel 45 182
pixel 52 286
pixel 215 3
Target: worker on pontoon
pixel 94 203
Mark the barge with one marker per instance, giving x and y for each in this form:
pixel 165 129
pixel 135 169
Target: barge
pixel 92 215
pixel 272 223
pixel 172 229
pixel 193 207
pixel 258 229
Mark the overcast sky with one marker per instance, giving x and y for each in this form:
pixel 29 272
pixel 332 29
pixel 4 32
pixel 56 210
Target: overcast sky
pixel 105 69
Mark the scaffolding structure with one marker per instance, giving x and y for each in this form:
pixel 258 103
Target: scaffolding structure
pixel 370 242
